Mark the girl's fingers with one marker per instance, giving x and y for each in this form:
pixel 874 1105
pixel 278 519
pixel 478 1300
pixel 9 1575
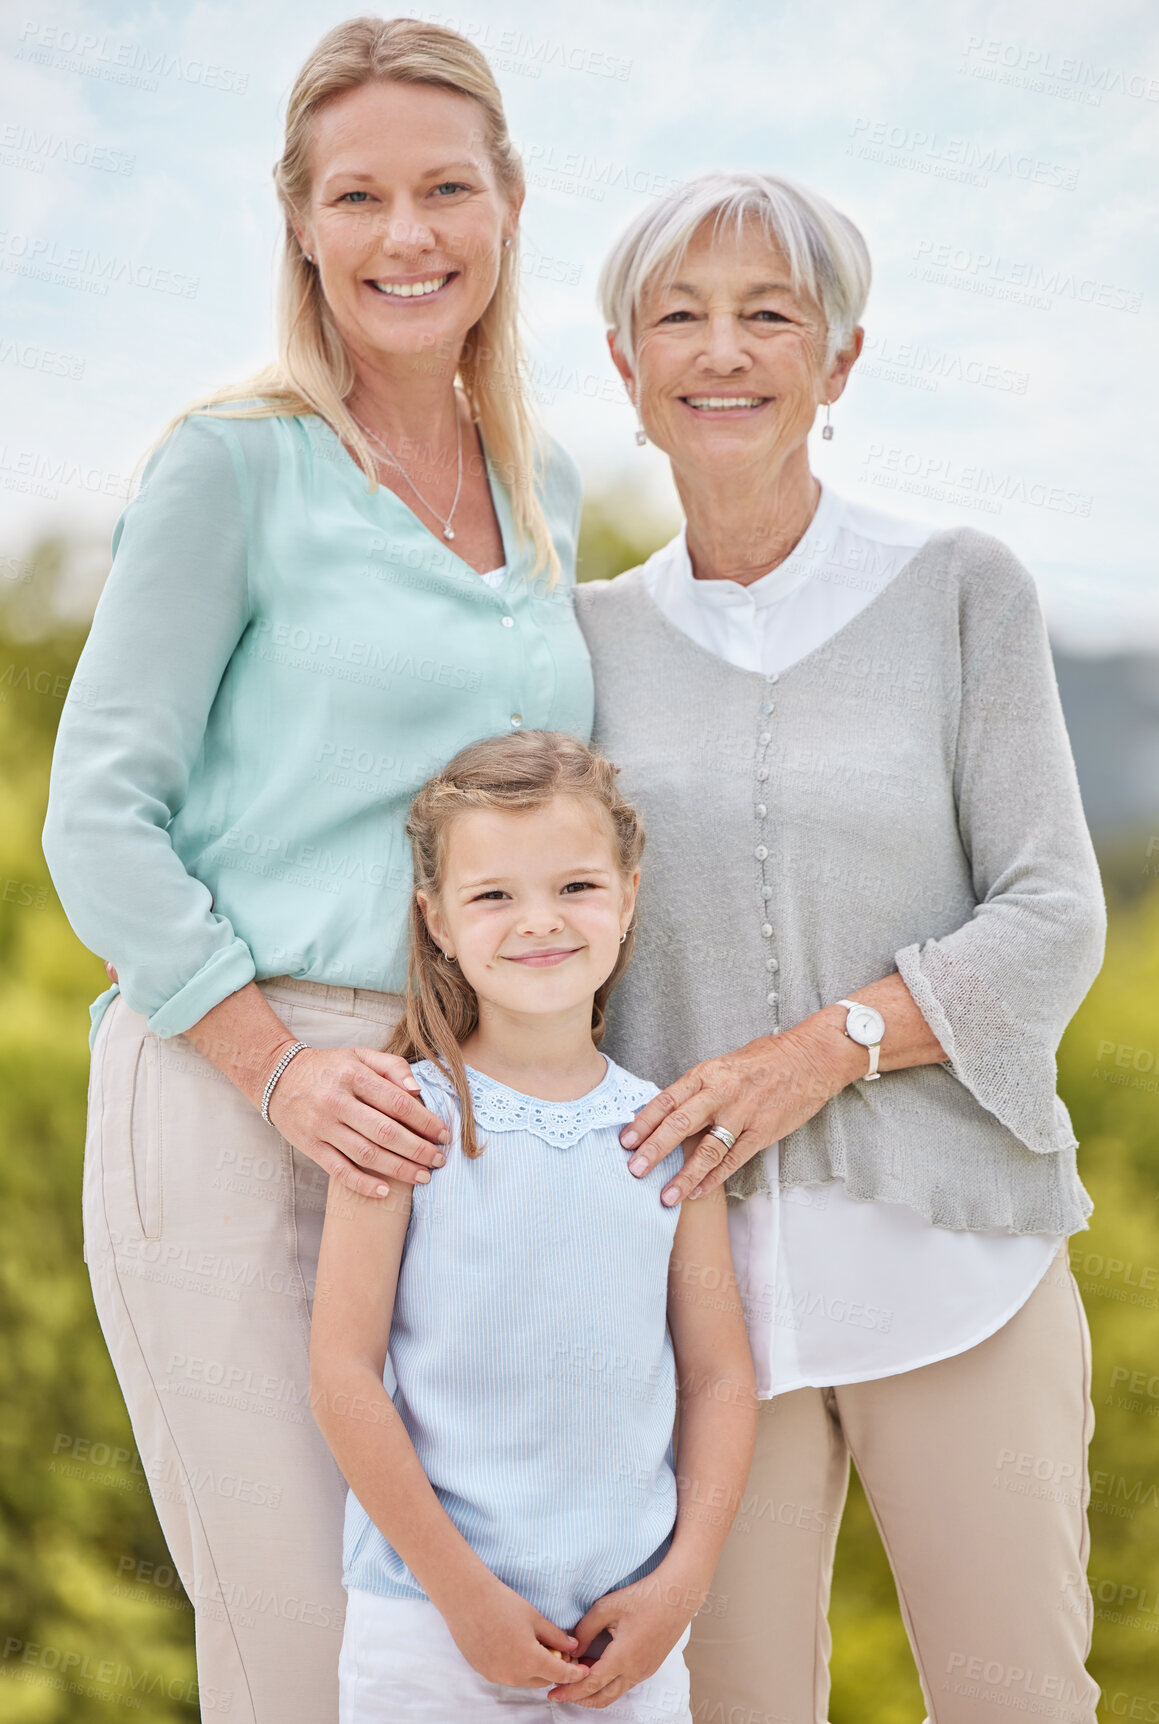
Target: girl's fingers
pixel 602 1613
pixel 550 1635
pixel 603 1685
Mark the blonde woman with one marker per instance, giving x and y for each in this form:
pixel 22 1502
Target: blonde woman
pixel 333 578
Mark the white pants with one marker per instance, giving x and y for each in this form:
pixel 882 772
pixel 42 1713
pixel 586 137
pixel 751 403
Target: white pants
pixel 399 1662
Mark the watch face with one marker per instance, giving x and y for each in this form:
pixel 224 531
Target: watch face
pixel 865 1025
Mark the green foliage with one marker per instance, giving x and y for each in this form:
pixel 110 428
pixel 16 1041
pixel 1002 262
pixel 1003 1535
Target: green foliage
pixel 91 1614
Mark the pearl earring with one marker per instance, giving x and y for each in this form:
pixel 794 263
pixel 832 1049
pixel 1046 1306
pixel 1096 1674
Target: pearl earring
pixel 641 434
pixel 623 936
pixel 506 243
pixel 827 429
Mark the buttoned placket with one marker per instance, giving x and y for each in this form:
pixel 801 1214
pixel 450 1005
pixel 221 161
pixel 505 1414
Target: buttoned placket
pixel 761 826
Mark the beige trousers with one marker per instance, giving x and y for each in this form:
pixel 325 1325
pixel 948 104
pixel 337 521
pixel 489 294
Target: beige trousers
pixel 202 1228
pixel 976 1471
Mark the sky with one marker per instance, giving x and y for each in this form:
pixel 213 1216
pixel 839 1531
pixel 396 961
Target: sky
pixel 1000 160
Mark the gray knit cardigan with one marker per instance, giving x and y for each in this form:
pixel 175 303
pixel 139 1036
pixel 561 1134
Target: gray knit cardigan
pixel 902 798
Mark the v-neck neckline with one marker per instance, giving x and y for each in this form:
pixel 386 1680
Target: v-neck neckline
pixel 499 503
pixel 765 677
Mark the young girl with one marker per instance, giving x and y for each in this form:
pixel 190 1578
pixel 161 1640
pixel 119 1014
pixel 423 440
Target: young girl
pixel 517 1518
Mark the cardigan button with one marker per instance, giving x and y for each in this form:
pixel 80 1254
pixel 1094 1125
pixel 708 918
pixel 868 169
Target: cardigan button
pixel 767 708
pixel 764 739
pixel 771 998
pixel 761 852
pixel 771 964
pixel 762 810
pixel 516 720
pixel 762 773
pixel 767 930
pixel 773 676
pixel 508 622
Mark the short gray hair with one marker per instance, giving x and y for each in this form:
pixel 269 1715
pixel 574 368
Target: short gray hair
pixel 828 258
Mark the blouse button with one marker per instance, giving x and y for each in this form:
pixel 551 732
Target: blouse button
pixel 767 930
pixel 762 773
pixel 508 622
pixel 761 852
pixel 516 720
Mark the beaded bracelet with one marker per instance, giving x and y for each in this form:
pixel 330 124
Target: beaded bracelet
pixel 276 1074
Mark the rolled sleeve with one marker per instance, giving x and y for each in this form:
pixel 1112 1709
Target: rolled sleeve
pixel 174 607
pixel 999 991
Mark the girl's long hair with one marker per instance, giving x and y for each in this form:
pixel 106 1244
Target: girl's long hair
pixel 523 770
pixel 313 372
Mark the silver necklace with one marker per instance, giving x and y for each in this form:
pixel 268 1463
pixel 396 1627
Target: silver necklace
pixel 448 530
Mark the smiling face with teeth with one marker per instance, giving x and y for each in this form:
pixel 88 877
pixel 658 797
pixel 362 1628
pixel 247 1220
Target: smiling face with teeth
pixel 730 364
pixel 406 221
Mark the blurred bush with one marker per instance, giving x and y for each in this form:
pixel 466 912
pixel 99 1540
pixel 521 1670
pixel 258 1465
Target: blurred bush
pixel 91 1612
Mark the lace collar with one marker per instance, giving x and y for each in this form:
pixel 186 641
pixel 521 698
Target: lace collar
pixel 614 1101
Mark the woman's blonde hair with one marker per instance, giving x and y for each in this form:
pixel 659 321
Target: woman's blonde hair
pixel 313 372
pixel 523 770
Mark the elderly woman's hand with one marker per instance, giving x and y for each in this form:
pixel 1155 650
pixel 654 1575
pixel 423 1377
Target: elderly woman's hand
pixel 770 1087
pixel 759 1093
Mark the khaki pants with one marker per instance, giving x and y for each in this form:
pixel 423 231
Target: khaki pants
pixel 976 1471
pixel 202 1228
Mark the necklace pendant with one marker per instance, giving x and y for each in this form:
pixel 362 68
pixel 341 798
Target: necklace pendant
pixel 448 533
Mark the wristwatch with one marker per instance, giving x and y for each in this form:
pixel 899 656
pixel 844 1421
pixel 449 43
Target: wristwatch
pixel 865 1026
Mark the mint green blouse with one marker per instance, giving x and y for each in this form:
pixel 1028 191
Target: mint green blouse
pixel 278 660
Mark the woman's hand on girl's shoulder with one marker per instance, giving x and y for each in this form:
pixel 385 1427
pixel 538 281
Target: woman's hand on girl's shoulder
pixel 355 1112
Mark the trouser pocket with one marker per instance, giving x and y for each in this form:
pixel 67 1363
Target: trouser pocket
pixel 145 1135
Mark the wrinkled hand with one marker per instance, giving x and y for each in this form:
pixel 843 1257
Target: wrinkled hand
pixel 354 1112
pixel 760 1092
pixel 644 1622
pixel 507 1640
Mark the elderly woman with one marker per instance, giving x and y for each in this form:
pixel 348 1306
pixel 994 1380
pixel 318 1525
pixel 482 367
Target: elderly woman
pixel 870 908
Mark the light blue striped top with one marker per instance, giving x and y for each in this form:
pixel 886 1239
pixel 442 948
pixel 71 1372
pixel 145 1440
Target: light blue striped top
pixel 530 1349
pixel 278 660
